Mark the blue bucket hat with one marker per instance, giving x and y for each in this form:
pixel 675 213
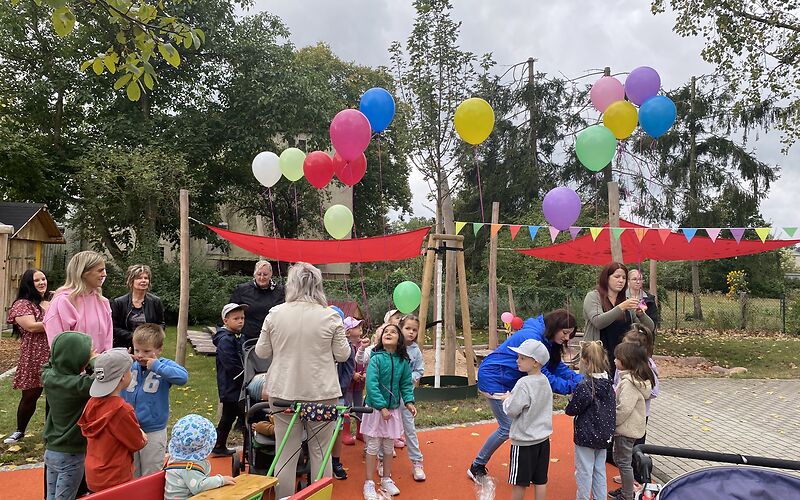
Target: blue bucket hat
pixel 193 438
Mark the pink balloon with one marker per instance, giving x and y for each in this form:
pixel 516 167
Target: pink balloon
pixel 350 133
pixel 506 317
pixel 605 91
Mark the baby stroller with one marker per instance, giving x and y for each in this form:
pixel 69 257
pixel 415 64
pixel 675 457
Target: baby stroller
pixel 750 478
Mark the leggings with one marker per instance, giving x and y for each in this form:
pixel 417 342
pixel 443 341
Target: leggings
pixel 27 407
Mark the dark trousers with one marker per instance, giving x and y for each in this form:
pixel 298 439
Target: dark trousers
pixel 230 413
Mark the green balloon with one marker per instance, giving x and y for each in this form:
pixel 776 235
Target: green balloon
pixel 595 147
pixel 407 296
pixel 291 163
pixel 338 221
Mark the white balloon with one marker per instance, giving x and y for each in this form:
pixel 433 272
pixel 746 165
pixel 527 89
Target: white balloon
pixel 266 168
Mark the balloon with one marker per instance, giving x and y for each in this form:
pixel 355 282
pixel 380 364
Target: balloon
pixel 620 118
pixel 595 147
pixel 338 221
pixel 318 169
pixel 516 323
pixel 605 91
pixel 657 115
pixel 377 104
pixel 350 133
pixel 474 120
pixel 506 317
pixel 291 163
pixel 642 84
pixel 561 207
pixel 407 296
pixel 350 172
pixel 338 310
pixel 266 168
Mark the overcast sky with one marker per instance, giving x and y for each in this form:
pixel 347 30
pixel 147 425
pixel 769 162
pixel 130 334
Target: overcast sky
pixel 568 36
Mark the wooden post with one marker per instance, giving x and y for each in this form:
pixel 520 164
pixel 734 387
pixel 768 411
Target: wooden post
pixel 5 235
pixel 183 310
pixel 493 278
pixel 613 221
pixel 465 321
pixel 427 277
pixel 511 307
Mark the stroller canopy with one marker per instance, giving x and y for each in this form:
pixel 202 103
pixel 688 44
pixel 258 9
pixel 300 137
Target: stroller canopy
pixel 731 482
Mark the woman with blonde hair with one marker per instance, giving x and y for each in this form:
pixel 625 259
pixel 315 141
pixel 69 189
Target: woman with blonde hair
pixel 305 339
pixel 137 307
pixel 79 304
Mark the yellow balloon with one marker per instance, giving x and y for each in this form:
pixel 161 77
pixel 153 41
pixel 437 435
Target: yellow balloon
pixel 474 120
pixel 620 118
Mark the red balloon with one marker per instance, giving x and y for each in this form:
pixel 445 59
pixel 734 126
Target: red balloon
pixel 516 323
pixel 318 169
pixel 350 172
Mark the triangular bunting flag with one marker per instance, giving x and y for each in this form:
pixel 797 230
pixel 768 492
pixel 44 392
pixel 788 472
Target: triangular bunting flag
pixel 763 232
pixel 460 226
pixel 595 232
pixel 514 228
pixel 495 228
pixel 688 233
pixel 533 230
pixel 476 226
pixel 554 233
pixel 616 232
pixel 573 231
pixel 790 231
pixel 713 232
pixel 737 233
pixel 640 232
pixel 664 234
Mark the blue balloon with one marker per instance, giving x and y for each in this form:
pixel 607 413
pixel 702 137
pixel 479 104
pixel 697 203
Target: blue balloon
pixel 338 310
pixel 656 115
pixel 377 104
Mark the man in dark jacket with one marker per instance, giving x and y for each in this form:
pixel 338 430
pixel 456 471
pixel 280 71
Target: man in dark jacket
pixel 261 294
pixel 230 368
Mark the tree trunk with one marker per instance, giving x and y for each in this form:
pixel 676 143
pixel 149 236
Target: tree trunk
pixel 450 283
pixel 694 194
pixel 698 309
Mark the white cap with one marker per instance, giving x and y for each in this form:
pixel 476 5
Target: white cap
pixel 228 308
pixel 533 349
pixel 388 315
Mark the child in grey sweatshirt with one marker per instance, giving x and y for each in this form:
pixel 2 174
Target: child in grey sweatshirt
pixel 530 406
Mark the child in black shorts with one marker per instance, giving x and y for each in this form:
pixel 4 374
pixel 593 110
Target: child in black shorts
pixel 530 406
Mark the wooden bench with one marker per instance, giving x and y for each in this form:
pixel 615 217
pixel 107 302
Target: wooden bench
pixel 247 487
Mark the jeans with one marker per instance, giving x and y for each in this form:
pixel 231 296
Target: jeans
pixel 499 436
pixel 64 474
pixel 590 472
pixel 623 454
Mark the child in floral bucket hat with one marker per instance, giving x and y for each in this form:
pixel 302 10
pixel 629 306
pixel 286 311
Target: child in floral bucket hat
pixel 188 469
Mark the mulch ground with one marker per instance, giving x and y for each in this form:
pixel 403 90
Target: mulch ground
pixel 9 353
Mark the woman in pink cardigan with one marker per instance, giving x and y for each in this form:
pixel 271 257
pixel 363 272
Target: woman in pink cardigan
pixel 79 304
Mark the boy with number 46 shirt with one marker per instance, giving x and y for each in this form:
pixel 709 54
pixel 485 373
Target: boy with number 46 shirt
pixel 148 393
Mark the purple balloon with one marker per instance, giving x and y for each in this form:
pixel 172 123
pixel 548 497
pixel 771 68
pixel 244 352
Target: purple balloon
pixel 561 207
pixel 642 84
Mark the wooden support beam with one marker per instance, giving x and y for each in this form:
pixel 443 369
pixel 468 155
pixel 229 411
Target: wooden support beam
pixel 183 308
pixel 493 278
pixel 613 221
pixel 465 320
pixel 511 307
pixel 427 278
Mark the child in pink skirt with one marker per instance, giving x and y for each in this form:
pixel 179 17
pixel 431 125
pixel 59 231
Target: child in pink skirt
pixel 388 383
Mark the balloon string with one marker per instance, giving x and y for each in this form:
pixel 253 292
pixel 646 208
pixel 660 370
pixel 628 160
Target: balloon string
pixel 296 209
pixel 274 226
pixel 361 275
pixel 480 188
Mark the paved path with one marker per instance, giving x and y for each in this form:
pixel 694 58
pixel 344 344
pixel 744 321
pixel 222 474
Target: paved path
pixel 750 417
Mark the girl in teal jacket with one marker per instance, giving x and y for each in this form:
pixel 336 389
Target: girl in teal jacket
pixel 388 386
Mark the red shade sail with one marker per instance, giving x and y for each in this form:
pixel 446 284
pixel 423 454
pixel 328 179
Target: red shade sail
pixel 380 248
pixel 583 250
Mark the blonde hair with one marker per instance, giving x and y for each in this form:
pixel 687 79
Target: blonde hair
pixel 78 265
pixel 149 333
pixel 593 358
pixel 261 263
pixel 304 284
pixel 134 271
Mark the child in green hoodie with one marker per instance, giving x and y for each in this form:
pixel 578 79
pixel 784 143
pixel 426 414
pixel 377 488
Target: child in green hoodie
pixel 67 389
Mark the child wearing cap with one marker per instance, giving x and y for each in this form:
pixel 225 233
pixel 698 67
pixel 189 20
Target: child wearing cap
pixel 530 406
pixel 109 423
pixel 230 373
pixel 354 394
pixel 188 468
pixel 148 393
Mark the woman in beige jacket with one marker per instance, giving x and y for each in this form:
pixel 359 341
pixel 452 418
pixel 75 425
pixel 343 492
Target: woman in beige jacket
pixel 305 338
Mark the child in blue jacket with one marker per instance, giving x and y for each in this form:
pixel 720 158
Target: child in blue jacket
pixel 151 379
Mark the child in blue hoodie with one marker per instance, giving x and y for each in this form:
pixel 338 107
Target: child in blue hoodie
pixel 151 379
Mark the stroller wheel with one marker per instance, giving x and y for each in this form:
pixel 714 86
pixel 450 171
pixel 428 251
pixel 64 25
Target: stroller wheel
pixel 236 466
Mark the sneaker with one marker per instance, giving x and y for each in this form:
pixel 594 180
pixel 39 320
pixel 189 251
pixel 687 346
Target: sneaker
pixel 380 468
pixel 14 437
pixel 419 472
pixel 618 479
pixel 369 491
pixel 614 494
pixel 477 472
pixel 222 452
pixel 339 472
pixel 399 443
pixel 388 487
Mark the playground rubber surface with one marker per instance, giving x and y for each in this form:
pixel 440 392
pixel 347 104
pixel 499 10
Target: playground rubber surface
pixel 448 453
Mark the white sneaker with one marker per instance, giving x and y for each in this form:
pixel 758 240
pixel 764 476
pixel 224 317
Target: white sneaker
pixel 14 437
pixel 419 472
pixel 369 491
pixel 388 487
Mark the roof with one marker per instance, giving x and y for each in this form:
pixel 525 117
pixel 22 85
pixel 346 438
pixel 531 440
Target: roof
pixel 348 307
pixel 20 214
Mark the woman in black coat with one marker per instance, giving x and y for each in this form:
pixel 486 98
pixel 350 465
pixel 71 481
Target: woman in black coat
pixel 260 294
pixel 136 307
